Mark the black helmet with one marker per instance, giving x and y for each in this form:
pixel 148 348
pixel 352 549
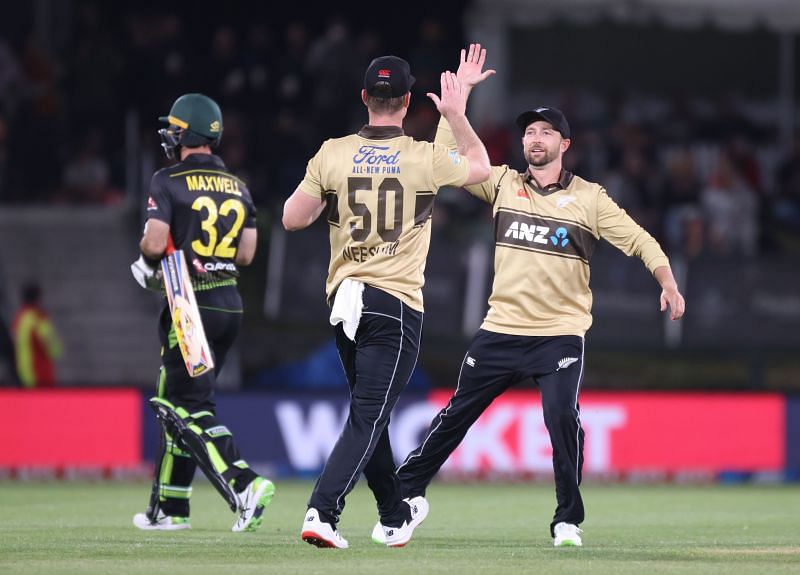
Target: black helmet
pixel 194 120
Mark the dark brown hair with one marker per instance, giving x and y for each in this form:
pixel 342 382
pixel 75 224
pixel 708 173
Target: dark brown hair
pixel 385 105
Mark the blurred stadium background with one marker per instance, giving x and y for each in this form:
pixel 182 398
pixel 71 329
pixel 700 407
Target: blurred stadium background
pixel 686 110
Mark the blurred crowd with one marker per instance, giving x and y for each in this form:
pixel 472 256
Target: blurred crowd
pixel 284 86
pixel 708 178
pixel 706 181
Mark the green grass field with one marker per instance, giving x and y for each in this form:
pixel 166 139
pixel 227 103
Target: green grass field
pixel 86 528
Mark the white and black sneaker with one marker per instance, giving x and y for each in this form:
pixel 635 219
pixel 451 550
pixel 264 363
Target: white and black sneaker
pixel 319 533
pixel 400 536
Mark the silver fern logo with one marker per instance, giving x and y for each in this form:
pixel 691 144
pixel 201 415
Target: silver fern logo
pixel 566 362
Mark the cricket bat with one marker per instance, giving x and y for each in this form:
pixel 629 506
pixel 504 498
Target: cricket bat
pixel 185 314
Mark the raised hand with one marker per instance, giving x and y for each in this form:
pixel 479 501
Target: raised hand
pixel 453 101
pixel 470 69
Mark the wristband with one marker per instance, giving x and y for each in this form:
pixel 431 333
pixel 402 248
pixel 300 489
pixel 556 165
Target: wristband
pixel 152 262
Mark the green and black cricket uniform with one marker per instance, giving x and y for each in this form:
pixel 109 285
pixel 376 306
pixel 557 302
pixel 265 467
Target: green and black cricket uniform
pixel 379 186
pixel 539 312
pixel 206 208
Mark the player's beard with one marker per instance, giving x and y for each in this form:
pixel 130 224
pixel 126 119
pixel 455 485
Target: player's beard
pixel 541 159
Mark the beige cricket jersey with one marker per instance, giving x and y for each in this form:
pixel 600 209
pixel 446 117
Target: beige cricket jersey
pixel 379 186
pixel 544 239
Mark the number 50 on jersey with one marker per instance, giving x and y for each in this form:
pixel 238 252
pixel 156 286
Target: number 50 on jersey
pixel 186 318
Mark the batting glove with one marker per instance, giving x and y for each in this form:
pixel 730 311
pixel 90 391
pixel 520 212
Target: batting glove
pixel 146 276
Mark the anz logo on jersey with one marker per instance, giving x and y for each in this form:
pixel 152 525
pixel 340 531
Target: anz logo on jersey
pixel 559 238
pixel 527 232
pixel 538 233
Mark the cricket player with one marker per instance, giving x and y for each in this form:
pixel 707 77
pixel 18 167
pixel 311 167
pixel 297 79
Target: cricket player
pixel 209 214
pixel 377 188
pixel 547 222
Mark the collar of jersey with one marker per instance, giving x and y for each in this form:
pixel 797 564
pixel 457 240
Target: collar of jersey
pixel 380 132
pixel 204 159
pixel 562 183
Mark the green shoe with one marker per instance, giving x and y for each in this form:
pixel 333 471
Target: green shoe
pixel 252 501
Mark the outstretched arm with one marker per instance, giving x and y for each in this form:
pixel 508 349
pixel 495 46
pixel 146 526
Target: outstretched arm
pixel 452 106
pixel 621 231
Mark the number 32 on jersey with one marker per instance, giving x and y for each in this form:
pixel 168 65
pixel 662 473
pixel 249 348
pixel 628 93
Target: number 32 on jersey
pixel 213 246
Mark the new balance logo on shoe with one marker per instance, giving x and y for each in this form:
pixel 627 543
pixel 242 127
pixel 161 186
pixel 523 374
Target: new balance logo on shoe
pixel 566 362
pixel 400 536
pixel 470 361
pixel 319 533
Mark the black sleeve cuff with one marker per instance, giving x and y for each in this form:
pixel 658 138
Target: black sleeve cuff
pixel 153 263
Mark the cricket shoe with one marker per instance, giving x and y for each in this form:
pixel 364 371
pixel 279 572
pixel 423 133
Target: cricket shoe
pixel 399 536
pixel 567 535
pixel 252 501
pixel 319 533
pixel 162 522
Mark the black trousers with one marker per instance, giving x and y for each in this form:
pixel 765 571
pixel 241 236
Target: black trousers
pixel 378 366
pixel 493 363
pixel 221 311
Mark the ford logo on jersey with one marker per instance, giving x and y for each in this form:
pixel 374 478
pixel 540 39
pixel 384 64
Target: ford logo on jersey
pixel 374 155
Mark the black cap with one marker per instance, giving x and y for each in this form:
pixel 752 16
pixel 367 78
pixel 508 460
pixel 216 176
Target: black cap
pixel 388 77
pixel 553 116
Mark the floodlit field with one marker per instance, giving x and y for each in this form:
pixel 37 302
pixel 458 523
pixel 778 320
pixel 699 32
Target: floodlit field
pixel 59 528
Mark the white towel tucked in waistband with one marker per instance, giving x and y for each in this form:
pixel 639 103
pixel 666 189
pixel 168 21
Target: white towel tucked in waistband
pixel 347 306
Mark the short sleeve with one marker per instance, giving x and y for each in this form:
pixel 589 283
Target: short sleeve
pixel 312 182
pixel 449 167
pixel 250 219
pixel 159 203
pixel 486 191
